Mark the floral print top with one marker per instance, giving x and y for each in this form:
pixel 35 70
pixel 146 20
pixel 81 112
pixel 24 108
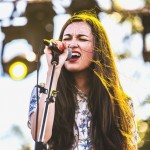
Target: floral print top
pixel 82 118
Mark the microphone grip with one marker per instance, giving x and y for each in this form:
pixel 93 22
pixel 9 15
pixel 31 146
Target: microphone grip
pixel 54 48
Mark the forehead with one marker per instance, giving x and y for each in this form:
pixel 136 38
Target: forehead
pixel 78 27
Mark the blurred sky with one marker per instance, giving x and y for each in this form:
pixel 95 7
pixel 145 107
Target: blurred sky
pixel 14 95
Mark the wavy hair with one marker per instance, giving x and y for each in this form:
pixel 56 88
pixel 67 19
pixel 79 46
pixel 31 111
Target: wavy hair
pixel 112 119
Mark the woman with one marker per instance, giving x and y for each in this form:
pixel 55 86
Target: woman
pixel 91 110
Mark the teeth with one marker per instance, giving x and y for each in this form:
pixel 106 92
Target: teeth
pixel 75 54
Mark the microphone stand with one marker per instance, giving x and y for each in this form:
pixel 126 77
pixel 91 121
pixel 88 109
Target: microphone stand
pixel 39 145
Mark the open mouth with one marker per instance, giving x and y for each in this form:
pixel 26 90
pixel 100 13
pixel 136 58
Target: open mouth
pixel 75 55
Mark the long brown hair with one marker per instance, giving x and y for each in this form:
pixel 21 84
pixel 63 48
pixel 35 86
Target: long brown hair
pixel 112 119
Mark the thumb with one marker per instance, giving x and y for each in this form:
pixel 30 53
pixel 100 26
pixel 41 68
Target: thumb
pixel 63 57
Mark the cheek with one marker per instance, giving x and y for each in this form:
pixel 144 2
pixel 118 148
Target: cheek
pixel 88 56
pixel 87 46
pixel 86 59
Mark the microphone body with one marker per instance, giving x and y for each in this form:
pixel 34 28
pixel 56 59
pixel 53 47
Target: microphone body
pixel 55 49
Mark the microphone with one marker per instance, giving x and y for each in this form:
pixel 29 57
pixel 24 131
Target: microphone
pixel 55 49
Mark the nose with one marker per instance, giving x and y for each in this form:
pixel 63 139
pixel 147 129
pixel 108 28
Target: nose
pixel 73 44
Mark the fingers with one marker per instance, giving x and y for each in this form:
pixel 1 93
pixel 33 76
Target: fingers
pixel 65 53
pixel 47 50
pixel 62 57
pixel 60 45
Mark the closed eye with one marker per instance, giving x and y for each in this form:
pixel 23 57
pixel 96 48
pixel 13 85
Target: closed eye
pixel 83 39
pixel 66 39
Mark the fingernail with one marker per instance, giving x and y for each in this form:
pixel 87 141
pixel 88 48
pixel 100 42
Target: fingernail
pixel 60 47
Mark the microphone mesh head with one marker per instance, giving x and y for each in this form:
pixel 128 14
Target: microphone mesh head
pixel 69 53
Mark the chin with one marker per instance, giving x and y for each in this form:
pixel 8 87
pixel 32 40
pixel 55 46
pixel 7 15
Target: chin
pixel 73 69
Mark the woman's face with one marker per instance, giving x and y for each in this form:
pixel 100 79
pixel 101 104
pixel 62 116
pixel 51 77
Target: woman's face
pixel 78 36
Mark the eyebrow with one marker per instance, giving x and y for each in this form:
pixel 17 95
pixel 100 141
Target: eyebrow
pixel 79 35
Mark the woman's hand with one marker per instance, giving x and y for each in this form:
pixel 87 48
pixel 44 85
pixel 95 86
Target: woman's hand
pixel 62 57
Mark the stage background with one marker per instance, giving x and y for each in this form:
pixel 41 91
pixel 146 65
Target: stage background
pixel 23 25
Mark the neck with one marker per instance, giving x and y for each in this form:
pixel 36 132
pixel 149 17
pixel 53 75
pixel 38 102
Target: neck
pixel 82 81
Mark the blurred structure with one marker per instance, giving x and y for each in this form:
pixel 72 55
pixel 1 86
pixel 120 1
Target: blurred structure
pixel 78 5
pixel 39 26
pixel 40 14
pixel 146 31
